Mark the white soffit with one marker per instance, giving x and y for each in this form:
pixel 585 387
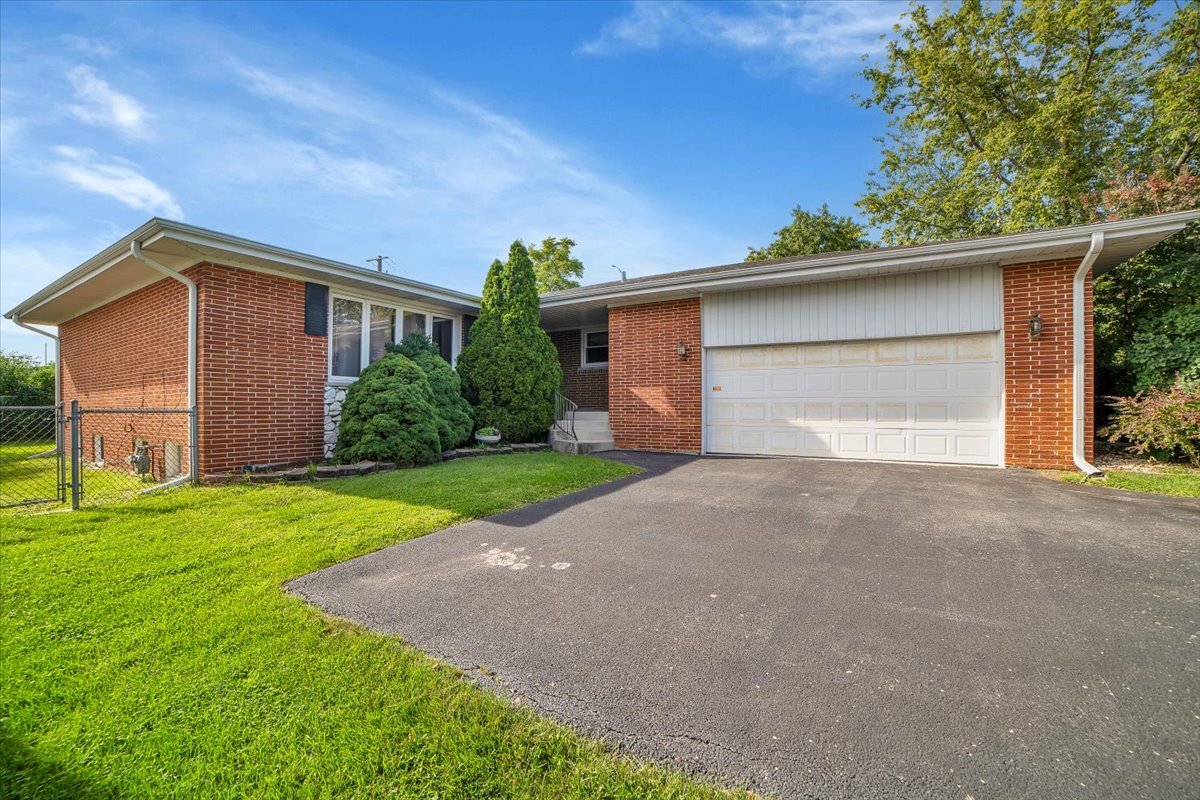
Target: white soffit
pixel 113 272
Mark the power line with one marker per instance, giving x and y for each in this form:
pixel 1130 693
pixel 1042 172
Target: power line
pixel 378 261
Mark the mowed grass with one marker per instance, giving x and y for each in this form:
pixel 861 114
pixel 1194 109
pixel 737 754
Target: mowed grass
pixel 1173 480
pixel 150 651
pixel 23 475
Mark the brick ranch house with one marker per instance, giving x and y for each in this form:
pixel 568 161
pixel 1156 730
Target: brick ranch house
pixel 975 351
pixel 278 336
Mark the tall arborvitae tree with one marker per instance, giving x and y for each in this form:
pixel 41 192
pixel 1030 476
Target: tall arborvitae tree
pixel 510 367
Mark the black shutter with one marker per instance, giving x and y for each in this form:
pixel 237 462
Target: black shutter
pixel 316 309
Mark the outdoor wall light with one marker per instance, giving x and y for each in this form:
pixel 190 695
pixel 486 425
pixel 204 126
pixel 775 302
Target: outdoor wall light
pixel 681 349
pixel 1036 326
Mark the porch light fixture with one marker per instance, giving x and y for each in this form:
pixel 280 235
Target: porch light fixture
pixel 1036 326
pixel 681 349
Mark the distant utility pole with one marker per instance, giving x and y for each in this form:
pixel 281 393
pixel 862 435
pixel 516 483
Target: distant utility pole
pixel 378 262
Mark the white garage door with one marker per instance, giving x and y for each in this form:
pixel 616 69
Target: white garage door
pixel 922 399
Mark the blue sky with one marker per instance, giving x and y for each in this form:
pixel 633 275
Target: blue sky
pixel 658 136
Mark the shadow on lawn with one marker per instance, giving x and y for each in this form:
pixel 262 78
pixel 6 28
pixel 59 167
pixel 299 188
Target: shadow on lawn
pixel 652 464
pixel 26 773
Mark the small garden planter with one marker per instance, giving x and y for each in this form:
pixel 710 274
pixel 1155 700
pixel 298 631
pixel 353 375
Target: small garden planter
pixel 487 436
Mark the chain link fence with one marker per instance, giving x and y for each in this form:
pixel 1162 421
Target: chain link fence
pixel 31 456
pixel 117 454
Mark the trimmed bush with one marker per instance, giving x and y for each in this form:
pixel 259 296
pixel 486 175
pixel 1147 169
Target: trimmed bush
pixel 389 415
pixel 510 368
pixel 1162 423
pixel 453 411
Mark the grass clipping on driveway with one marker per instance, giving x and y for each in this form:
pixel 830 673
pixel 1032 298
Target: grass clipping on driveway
pixel 150 650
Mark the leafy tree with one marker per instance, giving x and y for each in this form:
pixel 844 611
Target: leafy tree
pixel 389 415
pixel 1010 116
pixel 1173 133
pixel 808 232
pixel 1147 309
pixel 554 266
pixel 1004 117
pixel 25 382
pixel 453 411
pixel 510 367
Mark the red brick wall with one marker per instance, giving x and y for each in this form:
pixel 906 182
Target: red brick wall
pixel 587 387
pixel 261 379
pixel 1038 417
pixel 654 395
pixel 129 354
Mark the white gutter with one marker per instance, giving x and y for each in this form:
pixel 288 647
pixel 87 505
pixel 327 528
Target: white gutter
pixel 1079 373
pixel 1001 248
pixel 58 428
pixel 16 319
pixel 135 249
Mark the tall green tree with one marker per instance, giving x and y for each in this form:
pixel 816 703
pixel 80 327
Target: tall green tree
pixel 1147 310
pixel 510 368
pixel 813 232
pixel 554 265
pixel 1004 117
pixel 25 382
pixel 1011 116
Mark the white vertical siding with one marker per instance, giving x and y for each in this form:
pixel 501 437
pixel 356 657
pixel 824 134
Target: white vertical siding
pixel 964 300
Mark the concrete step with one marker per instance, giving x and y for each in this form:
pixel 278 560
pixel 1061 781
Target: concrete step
pixel 581 447
pixel 592 431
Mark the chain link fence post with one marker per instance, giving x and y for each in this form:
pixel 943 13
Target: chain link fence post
pixel 76 454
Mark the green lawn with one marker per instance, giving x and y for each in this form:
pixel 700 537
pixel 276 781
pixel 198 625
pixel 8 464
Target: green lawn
pixel 150 651
pixel 23 478
pixel 1173 480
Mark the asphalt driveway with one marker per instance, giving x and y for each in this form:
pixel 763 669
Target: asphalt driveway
pixel 829 629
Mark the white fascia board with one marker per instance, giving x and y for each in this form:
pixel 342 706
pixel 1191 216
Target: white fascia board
pixel 244 247
pixel 106 258
pixel 157 229
pixel 995 249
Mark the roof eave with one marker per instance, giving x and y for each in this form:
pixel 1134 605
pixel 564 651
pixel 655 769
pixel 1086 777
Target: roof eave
pixel 157 228
pixel 1003 248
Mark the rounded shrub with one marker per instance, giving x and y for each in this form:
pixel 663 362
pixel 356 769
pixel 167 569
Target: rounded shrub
pixel 389 415
pixel 453 411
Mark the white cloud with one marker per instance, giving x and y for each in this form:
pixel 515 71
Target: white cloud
pixel 116 179
pixel 441 176
pixel 813 38
pixel 102 105
pixel 90 47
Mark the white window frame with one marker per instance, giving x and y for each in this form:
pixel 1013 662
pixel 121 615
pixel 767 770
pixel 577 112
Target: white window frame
pixel 365 333
pixel 583 362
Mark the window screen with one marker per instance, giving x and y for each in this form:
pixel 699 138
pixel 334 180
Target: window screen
pixel 383 330
pixel 347 338
pixel 595 348
pixel 443 337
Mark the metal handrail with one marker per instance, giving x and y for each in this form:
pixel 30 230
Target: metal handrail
pixel 564 414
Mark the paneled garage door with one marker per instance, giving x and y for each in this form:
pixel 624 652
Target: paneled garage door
pixel 921 399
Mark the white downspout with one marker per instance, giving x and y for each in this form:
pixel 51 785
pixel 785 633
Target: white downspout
pixel 135 249
pixel 59 444
pixel 57 355
pixel 1079 374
